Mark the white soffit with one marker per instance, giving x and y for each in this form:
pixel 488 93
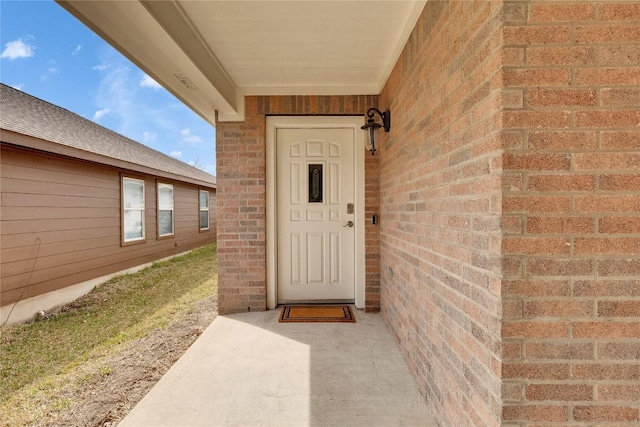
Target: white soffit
pixel 212 53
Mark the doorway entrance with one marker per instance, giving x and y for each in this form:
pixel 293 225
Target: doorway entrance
pixel 315 210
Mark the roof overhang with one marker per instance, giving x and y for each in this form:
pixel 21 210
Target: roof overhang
pixel 211 54
pixel 22 142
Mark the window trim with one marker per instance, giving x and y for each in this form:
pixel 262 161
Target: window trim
pixel 200 210
pixel 123 210
pixel 173 211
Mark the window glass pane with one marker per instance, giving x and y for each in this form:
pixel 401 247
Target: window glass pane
pixel 133 225
pixel 204 199
pixel 165 222
pixel 204 220
pixel 133 194
pixel 165 196
pixel 315 183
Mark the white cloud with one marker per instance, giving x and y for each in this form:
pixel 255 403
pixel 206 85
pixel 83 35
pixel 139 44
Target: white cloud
pixel 76 50
pixel 117 94
pixel 51 71
pixel 144 115
pixel 17 49
pixel 147 81
pixel 189 137
pixel 19 86
pixel 148 137
pixel 100 113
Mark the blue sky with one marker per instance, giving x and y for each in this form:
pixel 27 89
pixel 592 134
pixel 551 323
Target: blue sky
pixel 47 53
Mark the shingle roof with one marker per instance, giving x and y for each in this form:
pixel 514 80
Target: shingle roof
pixel 27 115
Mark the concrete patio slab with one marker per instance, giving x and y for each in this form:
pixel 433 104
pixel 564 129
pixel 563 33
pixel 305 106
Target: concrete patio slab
pixel 250 370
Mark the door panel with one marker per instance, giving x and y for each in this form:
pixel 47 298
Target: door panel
pixel 314 182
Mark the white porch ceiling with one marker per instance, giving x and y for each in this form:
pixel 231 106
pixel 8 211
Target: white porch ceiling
pixel 210 54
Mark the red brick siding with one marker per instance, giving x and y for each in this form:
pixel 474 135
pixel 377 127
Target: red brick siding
pixel 241 167
pixel 571 294
pixel 506 258
pixel 440 187
pixel 372 233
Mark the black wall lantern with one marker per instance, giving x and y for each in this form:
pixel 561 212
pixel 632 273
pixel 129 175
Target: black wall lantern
pixel 371 126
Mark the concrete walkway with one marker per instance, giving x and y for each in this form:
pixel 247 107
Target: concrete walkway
pixel 249 370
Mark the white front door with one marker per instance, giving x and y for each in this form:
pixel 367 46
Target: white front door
pixel 315 182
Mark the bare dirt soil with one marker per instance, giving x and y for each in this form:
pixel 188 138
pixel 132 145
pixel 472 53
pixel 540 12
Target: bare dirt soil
pixel 91 362
pixel 103 391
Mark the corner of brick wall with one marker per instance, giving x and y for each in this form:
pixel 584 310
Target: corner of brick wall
pixel 241 210
pixel 571 290
pixel 440 196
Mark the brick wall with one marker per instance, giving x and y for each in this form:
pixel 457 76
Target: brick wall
pixel 241 193
pixel 241 169
pixel 571 213
pixel 440 181
pixel 507 258
pixel 372 233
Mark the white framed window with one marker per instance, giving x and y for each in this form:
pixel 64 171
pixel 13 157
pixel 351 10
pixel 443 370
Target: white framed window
pixel 165 210
pixel 204 210
pixel 133 209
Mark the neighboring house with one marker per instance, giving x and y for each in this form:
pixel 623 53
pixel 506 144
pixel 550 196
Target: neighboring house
pixel 81 203
pixel 506 253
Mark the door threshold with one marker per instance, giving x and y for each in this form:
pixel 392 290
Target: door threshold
pixel 317 301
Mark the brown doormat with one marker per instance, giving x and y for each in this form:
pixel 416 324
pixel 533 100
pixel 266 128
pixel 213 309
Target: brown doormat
pixel 316 313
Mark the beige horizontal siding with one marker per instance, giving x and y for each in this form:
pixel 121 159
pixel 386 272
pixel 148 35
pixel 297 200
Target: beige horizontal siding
pixel 80 175
pixel 29 186
pixel 45 225
pixel 67 214
pixel 12 213
pixel 58 236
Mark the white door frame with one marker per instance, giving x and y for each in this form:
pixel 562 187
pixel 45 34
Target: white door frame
pixel 313 122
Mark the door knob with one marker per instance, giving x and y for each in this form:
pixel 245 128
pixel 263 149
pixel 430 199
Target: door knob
pixel 348 224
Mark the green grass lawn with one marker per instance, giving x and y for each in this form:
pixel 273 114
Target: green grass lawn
pixel 113 314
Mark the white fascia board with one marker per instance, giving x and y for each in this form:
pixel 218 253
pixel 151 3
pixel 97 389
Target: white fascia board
pixel 173 19
pixel 131 29
pixel 238 114
pixel 407 29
